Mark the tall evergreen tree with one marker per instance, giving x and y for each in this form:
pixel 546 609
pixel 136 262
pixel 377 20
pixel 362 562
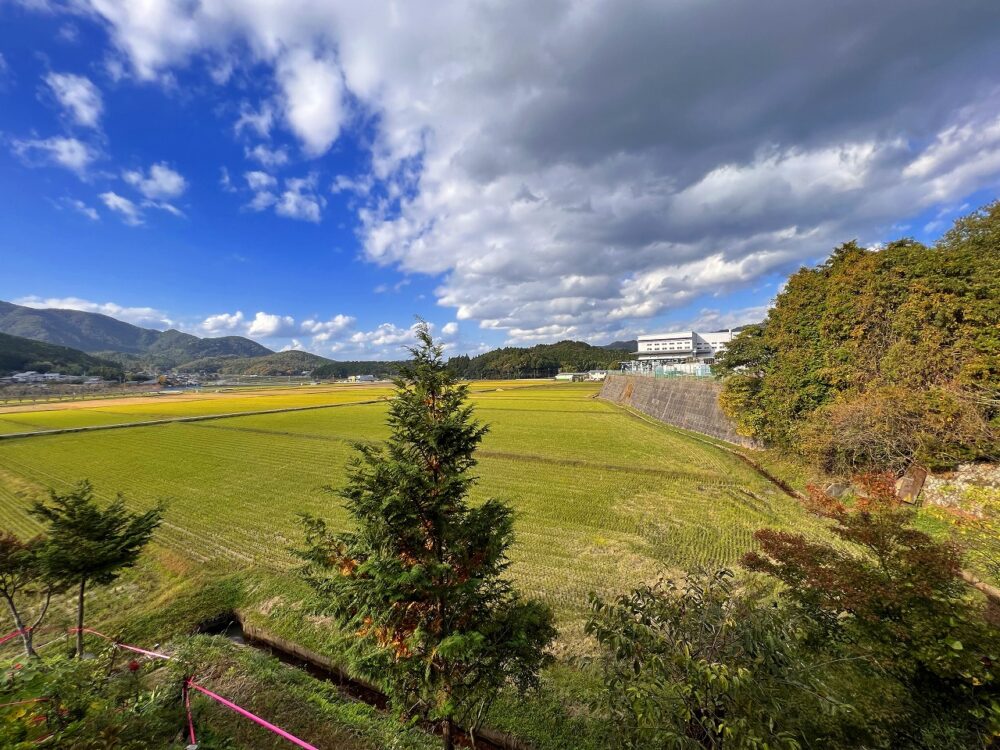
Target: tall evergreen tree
pixel 422 574
pixel 88 544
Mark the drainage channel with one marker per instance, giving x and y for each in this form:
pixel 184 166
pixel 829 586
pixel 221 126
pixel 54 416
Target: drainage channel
pixel 230 625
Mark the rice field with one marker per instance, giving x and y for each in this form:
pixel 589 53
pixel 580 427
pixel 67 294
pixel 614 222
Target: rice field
pixel 603 500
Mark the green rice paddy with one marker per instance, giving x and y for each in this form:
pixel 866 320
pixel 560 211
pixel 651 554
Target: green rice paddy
pixel 603 500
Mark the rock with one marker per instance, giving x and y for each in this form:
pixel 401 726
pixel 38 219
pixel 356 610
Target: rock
pixel 837 489
pixel 909 485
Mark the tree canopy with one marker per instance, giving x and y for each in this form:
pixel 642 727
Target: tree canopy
pixel 422 575
pixel 879 356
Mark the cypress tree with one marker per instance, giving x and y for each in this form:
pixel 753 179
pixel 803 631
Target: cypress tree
pixel 421 576
pixel 88 544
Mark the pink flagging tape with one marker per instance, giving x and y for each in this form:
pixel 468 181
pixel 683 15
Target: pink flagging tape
pixel 243 712
pixel 192 684
pixel 136 649
pixel 187 705
pixel 15 634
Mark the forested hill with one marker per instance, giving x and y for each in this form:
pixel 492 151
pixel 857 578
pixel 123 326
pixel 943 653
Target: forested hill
pixel 101 334
pixel 19 354
pixel 281 363
pixel 878 358
pixel 543 360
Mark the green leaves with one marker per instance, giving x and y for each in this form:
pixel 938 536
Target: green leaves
pixel 880 357
pixel 420 576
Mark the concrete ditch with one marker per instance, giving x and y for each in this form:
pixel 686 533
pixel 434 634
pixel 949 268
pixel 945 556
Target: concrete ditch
pixel 233 625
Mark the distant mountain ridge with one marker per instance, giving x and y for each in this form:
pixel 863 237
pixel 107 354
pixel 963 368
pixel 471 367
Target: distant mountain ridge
pixel 104 335
pixel 18 354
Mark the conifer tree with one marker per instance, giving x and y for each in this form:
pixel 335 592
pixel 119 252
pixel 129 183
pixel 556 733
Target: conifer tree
pixel 88 544
pixel 421 576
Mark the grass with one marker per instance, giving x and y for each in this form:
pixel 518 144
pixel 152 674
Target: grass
pixel 604 501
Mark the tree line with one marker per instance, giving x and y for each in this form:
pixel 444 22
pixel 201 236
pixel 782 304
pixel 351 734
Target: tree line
pixel 879 357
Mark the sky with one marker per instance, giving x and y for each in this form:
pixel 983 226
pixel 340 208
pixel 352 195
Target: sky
pixel 315 174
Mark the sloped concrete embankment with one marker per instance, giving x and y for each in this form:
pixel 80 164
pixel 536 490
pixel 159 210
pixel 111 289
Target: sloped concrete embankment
pixel 688 403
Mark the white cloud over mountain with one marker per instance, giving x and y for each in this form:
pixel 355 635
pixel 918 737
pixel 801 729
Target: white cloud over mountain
pixel 575 168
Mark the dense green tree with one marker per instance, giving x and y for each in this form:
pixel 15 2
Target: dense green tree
pixel 879 357
pixel 421 576
pixel 22 576
pixel 702 662
pixel 89 544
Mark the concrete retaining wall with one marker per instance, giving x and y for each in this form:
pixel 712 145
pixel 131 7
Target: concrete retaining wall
pixel 689 403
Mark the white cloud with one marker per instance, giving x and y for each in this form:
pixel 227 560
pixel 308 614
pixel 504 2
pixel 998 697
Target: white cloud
pixel 259 121
pixel 170 208
pixel 265 325
pixel 78 96
pixel 222 323
pixel 299 200
pixel 160 182
pixel 323 330
pixel 82 208
pixel 450 329
pixel 259 180
pixel 225 182
pixel 583 179
pixel 266 156
pixel 129 212
pixel 313 91
pixel 262 200
pixel 294 346
pixel 65 152
pixel 143 316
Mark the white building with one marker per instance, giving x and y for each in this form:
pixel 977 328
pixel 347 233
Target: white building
pixel 658 350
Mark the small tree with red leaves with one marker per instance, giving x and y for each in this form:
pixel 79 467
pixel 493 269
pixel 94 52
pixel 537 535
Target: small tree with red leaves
pixel 891 597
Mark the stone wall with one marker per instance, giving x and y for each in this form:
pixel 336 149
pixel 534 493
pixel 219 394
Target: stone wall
pixel 690 403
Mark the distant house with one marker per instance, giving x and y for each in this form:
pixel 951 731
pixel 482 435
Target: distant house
pixel 361 379
pixel 573 377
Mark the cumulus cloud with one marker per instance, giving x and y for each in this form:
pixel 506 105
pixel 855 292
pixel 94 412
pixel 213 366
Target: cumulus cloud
pixel 294 346
pixel 222 323
pixel 313 90
pixel 450 329
pixel 259 180
pixel 576 170
pixel 300 201
pixel 266 325
pixel 78 96
pixel 129 212
pixel 158 183
pixel 323 330
pixel 142 316
pixel 70 153
pixel 267 157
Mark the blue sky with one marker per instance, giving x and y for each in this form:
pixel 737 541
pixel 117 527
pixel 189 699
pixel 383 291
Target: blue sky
pixel 316 176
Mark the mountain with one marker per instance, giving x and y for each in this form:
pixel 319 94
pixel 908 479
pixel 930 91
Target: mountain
pixel 338 370
pixel 281 363
pixel 96 333
pixel 18 354
pixel 630 345
pixel 543 360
